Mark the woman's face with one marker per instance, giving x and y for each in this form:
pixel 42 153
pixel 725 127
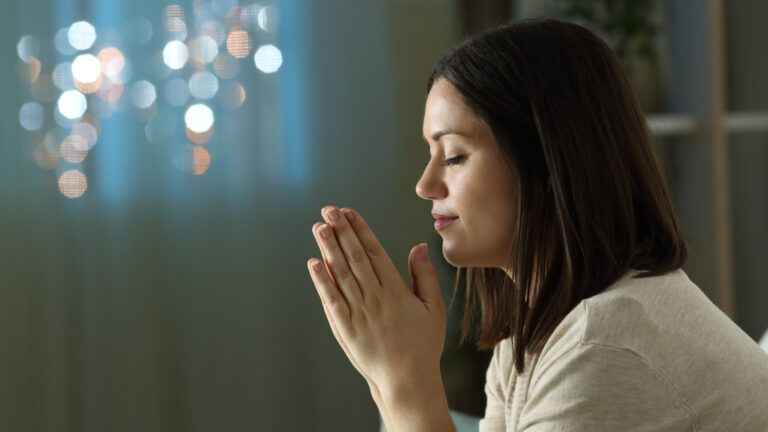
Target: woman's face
pixel 480 189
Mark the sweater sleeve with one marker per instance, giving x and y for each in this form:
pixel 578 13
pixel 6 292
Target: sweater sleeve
pixel 596 388
pixel 493 420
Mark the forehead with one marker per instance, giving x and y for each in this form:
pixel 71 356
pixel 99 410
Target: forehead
pixel 446 110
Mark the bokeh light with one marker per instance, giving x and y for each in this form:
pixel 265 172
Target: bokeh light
pixel 192 159
pixel 74 149
pixel 268 19
pixel 31 116
pixel 268 58
pixel 62 76
pixel 88 88
pixel 173 20
pixel 91 120
pixel 199 118
pixel 87 132
pixel 28 46
pixel 61 42
pixel 143 94
pixel 73 183
pixel 203 49
pixel 215 30
pixel 62 71
pixel 112 63
pixel 203 85
pixel 112 93
pixel 81 35
pixel 62 120
pixel 249 17
pixel 72 104
pixel 239 43
pixel 201 160
pixel 86 68
pixel 175 54
pixel 232 94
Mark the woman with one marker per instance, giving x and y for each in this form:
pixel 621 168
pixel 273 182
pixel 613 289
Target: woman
pixel 546 189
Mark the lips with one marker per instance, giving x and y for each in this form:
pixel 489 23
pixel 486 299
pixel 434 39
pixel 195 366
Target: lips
pixel 443 221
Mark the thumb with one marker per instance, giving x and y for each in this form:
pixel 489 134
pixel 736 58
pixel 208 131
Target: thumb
pixel 426 285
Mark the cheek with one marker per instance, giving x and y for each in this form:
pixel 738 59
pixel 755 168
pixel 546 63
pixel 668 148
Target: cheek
pixel 492 217
pixel 484 237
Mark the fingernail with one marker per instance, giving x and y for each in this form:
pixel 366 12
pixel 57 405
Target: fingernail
pixel 333 214
pixel 316 266
pixel 324 231
pixel 349 214
pixel 424 252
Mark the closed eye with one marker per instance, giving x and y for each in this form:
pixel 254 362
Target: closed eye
pixel 453 161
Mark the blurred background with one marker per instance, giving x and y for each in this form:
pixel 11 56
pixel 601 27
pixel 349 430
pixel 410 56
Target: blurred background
pixel 162 164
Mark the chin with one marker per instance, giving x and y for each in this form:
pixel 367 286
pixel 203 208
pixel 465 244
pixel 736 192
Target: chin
pixel 459 257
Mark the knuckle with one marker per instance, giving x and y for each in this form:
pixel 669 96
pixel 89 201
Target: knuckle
pixel 374 250
pixel 343 274
pixel 357 256
pixel 333 300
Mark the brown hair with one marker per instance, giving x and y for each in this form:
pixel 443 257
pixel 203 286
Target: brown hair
pixel 592 201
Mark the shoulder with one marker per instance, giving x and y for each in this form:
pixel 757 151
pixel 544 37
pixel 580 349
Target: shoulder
pixel 630 316
pixel 627 314
pixel 599 387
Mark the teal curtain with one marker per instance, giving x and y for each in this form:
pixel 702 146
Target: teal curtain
pixel 160 300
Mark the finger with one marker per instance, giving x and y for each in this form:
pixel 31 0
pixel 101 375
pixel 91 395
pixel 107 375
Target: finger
pixel 353 250
pixel 341 342
pixel 380 261
pixel 330 296
pixel 345 279
pixel 325 258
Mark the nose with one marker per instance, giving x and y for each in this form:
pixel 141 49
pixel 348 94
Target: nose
pixel 430 186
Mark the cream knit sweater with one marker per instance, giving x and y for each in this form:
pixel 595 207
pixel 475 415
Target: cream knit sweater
pixel 652 354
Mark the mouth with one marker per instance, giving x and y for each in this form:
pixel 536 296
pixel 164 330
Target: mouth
pixel 442 223
pixel 443 216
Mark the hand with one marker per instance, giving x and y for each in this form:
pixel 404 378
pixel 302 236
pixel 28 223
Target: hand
pixel 392 333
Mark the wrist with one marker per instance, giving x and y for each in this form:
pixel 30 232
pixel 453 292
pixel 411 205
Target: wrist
pixel 423 382
pixel 418 404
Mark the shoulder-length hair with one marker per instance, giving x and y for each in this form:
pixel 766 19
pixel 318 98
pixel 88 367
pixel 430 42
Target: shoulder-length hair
pixel 592 201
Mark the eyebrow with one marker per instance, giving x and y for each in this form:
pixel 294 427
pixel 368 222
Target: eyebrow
pixel 436 136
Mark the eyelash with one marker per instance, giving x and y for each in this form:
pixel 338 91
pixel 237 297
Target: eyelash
pixel 453 161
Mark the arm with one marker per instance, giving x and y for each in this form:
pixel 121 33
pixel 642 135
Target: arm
pixel 420 405
pixel 382 408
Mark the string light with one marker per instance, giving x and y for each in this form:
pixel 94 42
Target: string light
pixel 268 58
pixel 90 80
pixel 73 183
